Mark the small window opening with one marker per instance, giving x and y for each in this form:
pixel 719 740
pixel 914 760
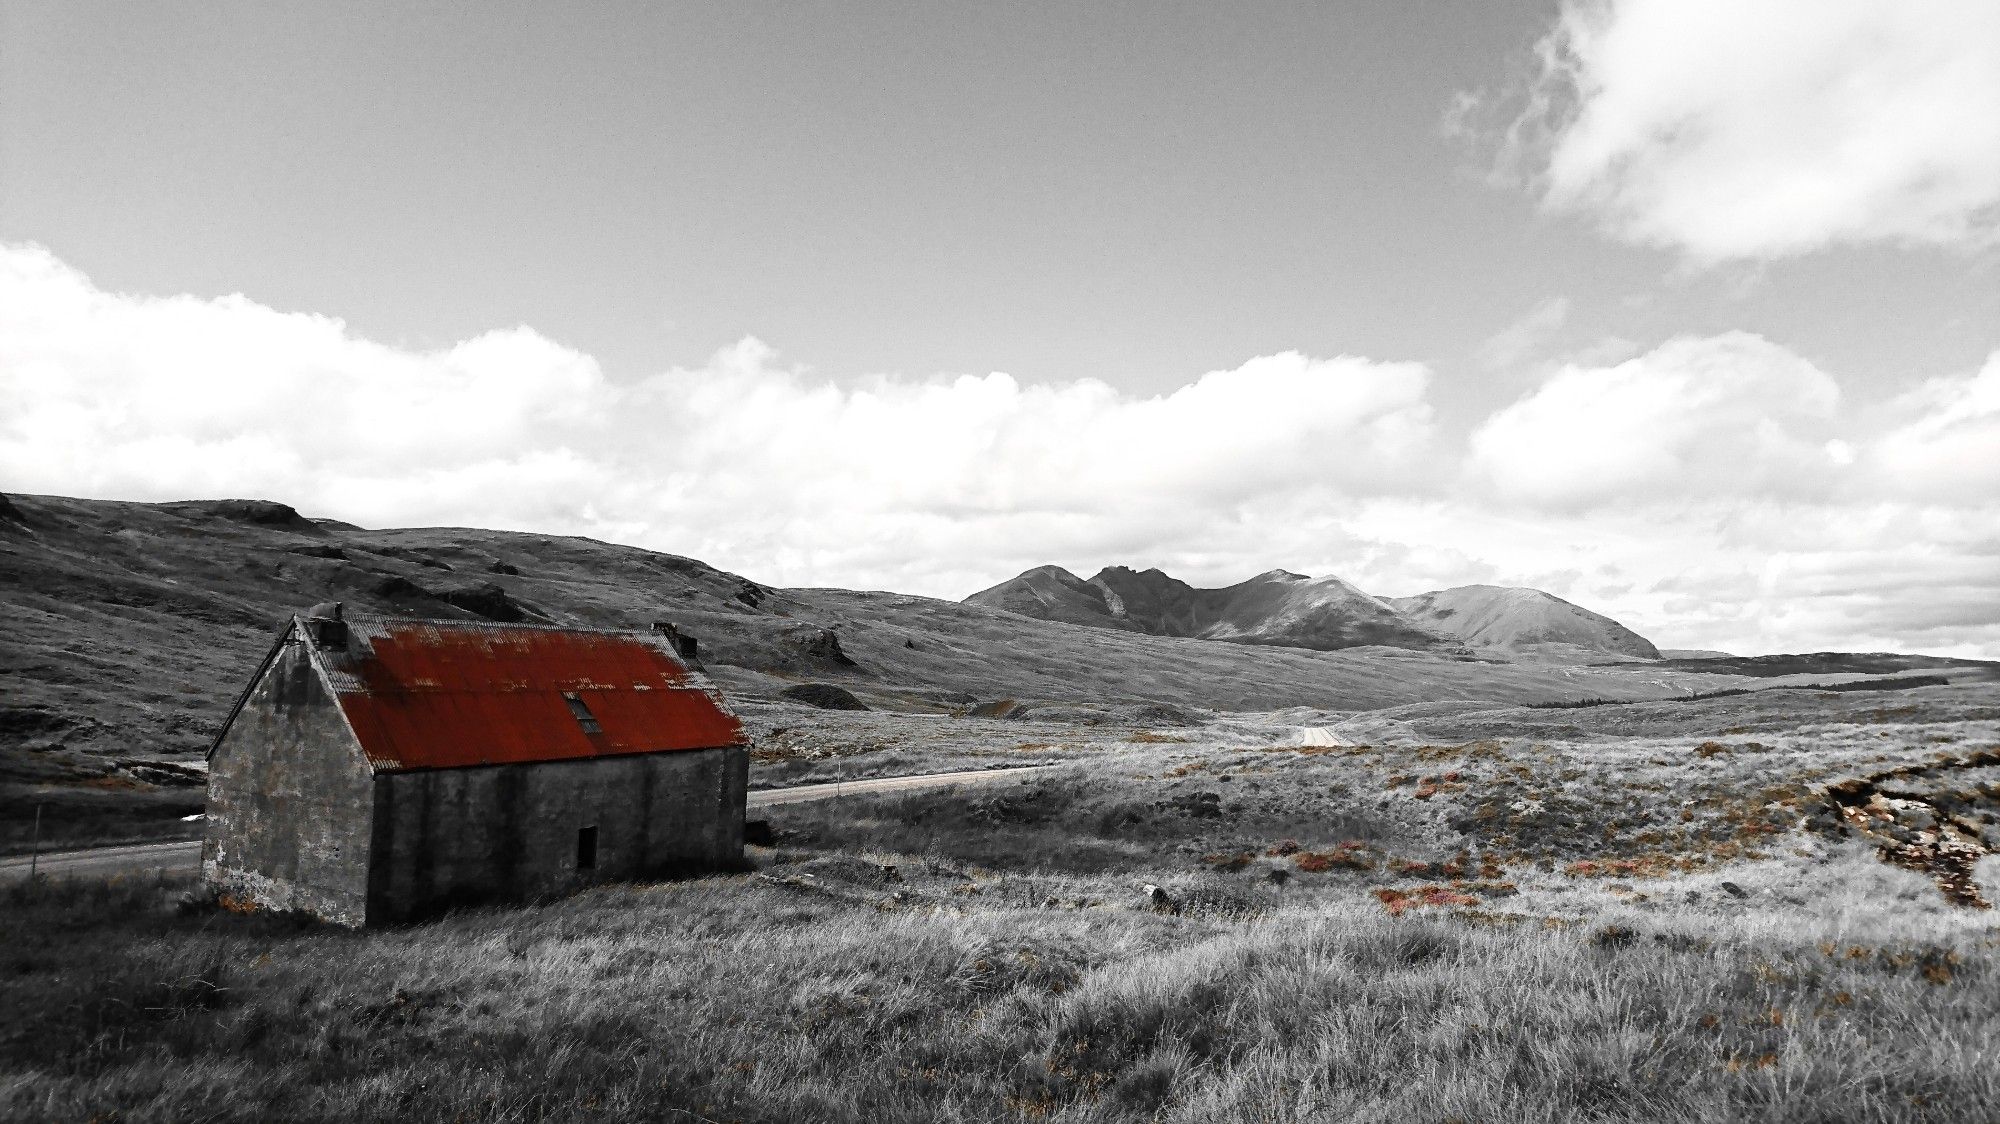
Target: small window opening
pixel 584 717
pixel 586 847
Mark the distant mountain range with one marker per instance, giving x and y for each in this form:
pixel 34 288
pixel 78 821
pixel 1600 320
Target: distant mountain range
pixel 126 629
pixel 1325 613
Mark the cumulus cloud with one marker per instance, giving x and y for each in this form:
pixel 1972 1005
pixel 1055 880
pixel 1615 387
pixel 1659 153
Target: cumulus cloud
pixel 1733 413
pixel 1742 575
pixel 1752 131
pixel 1756 506
pixel 745 459
pixel 1950 445
pixel 1711 491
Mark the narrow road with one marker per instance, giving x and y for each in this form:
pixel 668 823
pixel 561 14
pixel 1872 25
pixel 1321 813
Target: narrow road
pixel 186 854
pixel 123 859
pixel 763 797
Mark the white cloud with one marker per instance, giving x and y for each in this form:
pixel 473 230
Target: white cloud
pixel 1742 575
pixel 1735 130
pixel 745 460
pixel 987 444
pixel 1523 337
pixel 1760 511
pixel 1733 413
pixel 1950 447
pixel 1712 491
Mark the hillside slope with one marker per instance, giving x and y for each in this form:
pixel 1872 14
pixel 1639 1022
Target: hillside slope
pixel 126 629
pixel 1523 620
pixel 1051 593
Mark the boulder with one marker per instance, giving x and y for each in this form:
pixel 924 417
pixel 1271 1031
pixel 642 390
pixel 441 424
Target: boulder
pixel 487 599
pixel 260 513
pixel 825 696
pixel 819 644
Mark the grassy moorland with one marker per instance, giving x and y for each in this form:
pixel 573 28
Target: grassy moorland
pixel 1606 914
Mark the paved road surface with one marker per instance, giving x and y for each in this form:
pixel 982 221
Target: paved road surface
pixel 107 860
pixel 187 854
pixel 762 797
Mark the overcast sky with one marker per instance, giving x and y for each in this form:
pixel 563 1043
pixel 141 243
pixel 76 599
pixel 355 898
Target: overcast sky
pixel 1687 311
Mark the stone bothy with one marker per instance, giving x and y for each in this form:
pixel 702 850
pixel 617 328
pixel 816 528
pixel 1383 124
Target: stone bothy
pixel 378 769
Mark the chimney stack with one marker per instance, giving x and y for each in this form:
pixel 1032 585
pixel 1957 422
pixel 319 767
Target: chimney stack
pixel 326 625
pixel 685 646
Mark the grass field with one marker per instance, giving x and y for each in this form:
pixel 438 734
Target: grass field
pixel 1603 914
pixel 96 815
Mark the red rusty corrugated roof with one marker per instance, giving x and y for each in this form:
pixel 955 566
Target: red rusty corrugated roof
pixel 440 695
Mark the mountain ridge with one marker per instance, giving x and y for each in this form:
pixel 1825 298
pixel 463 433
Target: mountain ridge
pixel 130 627
pixel 1326 613
pixel 1277 607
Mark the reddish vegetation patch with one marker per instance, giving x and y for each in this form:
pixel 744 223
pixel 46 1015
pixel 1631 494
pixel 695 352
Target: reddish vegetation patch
pixel 1470 751
pixel 1644 866
pixel 1351 855
pixel 1399 902
pixel 1460 865
pixel 1428 787
pixel 1230 862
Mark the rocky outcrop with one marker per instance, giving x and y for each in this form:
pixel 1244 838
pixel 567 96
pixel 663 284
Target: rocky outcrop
pixel 825 696
pixel 257 513
pixel 486 599
pixel 819 645
pixel 1939 818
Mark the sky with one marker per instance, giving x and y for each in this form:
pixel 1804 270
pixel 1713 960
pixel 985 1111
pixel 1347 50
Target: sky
pixel 1687 311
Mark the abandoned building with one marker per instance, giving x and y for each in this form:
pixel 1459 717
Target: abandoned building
pixel 378 769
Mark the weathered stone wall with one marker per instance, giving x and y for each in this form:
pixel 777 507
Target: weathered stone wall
pixel 289 799
pixel 449 836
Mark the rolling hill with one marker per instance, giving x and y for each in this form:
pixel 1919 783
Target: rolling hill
pixel 1523 621
pixel 127 628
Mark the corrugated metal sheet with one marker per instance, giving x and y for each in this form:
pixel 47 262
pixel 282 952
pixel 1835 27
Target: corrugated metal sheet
pixel 434 695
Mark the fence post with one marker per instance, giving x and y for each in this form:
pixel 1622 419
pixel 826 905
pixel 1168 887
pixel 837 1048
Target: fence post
pixel 35 854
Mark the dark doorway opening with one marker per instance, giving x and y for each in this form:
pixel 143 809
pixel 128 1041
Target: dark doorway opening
pixel 586 848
